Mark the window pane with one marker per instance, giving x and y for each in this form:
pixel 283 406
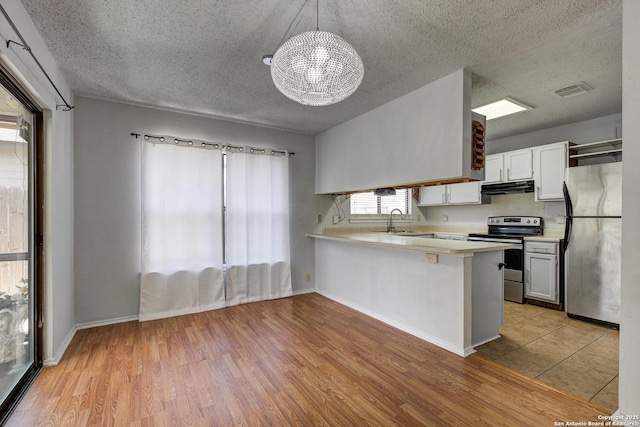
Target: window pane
pixel 364 203
pixel 16 262
pixel 399 201
pixel 369 204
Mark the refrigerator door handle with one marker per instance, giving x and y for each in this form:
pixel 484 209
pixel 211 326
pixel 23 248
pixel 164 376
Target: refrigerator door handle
pixel 568 225
pixel 568 215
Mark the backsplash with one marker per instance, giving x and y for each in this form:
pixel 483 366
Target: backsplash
pixel 447 216
pixel 462 215
pixel 524 204
pixel 501 205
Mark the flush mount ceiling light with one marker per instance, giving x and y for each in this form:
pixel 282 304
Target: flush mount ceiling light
pixel 316 68
pixel 501 108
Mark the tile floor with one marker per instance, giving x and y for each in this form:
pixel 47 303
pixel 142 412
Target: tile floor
pixel 578 357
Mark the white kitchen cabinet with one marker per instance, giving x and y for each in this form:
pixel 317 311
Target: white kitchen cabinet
pixel 518 165
pixel 493 169
pixel 466 193
pixel 510 166
pixel 549 170
pixel 434 195
pixel 541 278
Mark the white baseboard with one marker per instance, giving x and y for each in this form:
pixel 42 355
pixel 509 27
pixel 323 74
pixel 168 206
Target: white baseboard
pixel 304 291
pixel 447 346
pixel 95 324
pixel 58 356
pixel 65 344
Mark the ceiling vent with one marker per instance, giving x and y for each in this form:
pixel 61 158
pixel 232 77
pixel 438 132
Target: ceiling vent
pixel 573 90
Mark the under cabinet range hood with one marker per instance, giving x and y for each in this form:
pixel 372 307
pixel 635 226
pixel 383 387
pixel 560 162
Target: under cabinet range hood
pixel 508 188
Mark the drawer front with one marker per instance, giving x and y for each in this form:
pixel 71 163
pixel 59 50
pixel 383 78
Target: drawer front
pixel 540 247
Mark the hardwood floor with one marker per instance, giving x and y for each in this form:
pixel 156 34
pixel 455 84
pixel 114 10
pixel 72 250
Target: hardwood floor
pixel 304 360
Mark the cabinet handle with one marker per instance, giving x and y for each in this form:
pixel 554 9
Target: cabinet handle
pixel 500 174
pixel 508 174
pixel 443 198
pixel 529 278
pixel 538 191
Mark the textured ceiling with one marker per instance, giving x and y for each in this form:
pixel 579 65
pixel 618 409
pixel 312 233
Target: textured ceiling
pixel 204 56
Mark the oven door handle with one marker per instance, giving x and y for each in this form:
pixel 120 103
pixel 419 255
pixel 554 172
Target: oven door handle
pixel 501 265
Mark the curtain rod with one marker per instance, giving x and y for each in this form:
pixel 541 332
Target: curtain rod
pixel 26 47
pixel 204 144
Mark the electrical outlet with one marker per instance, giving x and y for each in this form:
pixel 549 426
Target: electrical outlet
pixel 560 219
pixel 318 219
pixel 432 258
pixel 307 278
pixel 336 219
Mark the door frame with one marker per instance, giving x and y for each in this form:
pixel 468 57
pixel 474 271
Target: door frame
pixel 36 237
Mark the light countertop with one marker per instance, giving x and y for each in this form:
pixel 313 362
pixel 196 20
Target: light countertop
pixel 550 235
pixel 415 243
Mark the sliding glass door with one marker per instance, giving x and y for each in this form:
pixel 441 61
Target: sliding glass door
pixel 19 243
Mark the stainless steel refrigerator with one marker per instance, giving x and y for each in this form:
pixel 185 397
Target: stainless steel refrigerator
pixel 593 202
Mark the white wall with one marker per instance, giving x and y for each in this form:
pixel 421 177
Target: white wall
pixel 598 129
pixel 58 250
pixel 629 396
pixel 420 137
pixel 107 198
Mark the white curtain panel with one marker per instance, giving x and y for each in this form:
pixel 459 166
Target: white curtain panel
pixel 257 227
pixel 182 234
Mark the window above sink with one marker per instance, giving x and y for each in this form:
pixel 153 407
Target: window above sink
pixel 370 204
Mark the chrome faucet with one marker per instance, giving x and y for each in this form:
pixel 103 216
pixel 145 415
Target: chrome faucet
pixel 390 227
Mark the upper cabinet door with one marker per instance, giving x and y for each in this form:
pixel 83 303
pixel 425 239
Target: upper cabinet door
pixel 464 193
pixel 493 169
pixel 549 165
pixel 433 196
pixel 518 165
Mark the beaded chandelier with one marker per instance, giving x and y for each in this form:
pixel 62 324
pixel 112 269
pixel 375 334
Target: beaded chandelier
pixel 316 68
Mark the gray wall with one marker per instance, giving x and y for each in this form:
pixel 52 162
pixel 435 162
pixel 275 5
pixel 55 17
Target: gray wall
pixel 107 198
pixel 629 399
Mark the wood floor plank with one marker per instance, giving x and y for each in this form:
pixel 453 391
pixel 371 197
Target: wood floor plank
pixel 304 360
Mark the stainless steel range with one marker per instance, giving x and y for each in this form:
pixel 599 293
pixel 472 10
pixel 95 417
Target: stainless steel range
pixel 511 229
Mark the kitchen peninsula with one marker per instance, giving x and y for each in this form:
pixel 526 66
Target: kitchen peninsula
pixel 446 292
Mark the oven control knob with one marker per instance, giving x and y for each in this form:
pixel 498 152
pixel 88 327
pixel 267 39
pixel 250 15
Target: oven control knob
pixel 535 221
pixel 528 221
